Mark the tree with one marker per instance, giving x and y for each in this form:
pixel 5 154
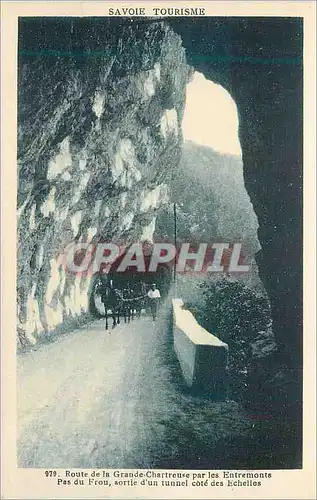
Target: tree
pixel 237 315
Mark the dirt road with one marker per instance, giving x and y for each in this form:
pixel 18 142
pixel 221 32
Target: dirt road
pixel 115 400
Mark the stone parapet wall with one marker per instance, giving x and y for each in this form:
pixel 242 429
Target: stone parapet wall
pixel 202 356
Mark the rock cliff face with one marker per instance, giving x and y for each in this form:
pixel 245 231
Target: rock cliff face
pixel 99 133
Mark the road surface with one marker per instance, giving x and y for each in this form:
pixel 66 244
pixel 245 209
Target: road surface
pixel 114 399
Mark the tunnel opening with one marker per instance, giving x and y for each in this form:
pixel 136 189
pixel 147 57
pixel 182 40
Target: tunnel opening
pixel 209 204
pixel 208 191
pixel 259 375
pixel 260 62
pixel 131 278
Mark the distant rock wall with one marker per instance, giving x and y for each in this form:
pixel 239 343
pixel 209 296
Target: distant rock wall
pixel 99 134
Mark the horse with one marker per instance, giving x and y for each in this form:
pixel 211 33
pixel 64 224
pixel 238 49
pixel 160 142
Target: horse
pixel 111 299
pixel 131 304
pixel 127 304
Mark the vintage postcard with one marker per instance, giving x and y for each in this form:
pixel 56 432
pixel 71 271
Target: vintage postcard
pixel 158 250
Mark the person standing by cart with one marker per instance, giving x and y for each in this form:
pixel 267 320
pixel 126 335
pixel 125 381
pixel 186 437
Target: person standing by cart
pixel 154 299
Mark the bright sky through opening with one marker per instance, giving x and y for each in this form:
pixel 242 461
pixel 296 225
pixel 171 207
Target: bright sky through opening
pixel 211 117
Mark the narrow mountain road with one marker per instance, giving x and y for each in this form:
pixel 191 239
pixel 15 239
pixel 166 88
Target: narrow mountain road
pixel 114 399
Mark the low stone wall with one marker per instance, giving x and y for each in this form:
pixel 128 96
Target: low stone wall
pixel 202 356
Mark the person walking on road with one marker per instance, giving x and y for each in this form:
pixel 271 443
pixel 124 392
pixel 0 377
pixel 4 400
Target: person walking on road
pixel 154 298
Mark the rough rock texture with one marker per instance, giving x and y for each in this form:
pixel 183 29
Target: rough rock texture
pixel 99 132
pixel 259 61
